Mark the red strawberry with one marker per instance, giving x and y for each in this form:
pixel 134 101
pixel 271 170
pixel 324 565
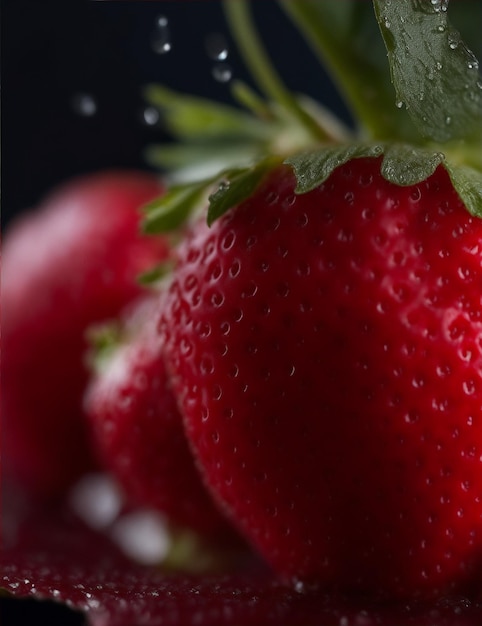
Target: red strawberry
pixel 138 429
pixel 327 352
pixel 72 262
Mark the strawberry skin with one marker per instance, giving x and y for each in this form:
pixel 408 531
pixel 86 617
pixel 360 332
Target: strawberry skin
pixel 138 431
pixel 72 262
pixel 327 353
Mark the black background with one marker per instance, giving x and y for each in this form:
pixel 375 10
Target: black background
pixel 55 51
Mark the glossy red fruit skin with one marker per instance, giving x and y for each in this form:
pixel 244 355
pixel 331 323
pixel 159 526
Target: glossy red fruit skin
pixel 327 352
pixel 138 431
pixel 70 263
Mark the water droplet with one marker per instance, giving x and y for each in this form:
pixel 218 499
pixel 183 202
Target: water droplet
pixel 448 120
pixel 387 23
pixel 438 65
pixel 411 417
pixel 161 37
pixel 150 116
pixel 143 536
pixel 217 47
pixel 97 500
pixel 441 28
pixel 299 586
pixel 439 5
pixel 399 104
pixel 222 72
pixel 84 104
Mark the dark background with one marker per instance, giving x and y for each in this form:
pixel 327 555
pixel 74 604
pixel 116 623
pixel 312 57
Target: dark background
pixel 56 52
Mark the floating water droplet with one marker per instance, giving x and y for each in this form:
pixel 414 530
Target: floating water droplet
pixel 143 536
pixel 448 120
pixel 217 47
pixel 97 500
pixel 387 23
pixel 222 72
pixel 161 37
pixel 399 104
pixel 441 28
pixel 150 116
pixel 438 65
pixel 84 104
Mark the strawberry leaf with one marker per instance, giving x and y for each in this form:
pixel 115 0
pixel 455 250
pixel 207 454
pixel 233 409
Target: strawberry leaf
pixel 435 75
pixel 170 211
pixel 154 274
pixel 468 183
pixel 406 165
pixel 345 36
pixel 313 168
pixel 237 185
pixel 401 164
pixel 188 162
pixel 192 118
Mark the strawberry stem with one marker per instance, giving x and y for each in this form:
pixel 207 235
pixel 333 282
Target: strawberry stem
pixel 243 30
pixel 327 28
pixel 249 99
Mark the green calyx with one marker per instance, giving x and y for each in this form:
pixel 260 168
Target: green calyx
pixel 103 341
pixel 419 110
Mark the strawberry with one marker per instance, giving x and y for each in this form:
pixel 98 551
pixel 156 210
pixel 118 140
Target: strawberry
pixel 71 262
pixel 324 329
pixel 327 353
pixel 138 430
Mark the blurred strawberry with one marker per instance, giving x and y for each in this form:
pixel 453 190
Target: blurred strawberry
pixel 137 428
pixel 71 262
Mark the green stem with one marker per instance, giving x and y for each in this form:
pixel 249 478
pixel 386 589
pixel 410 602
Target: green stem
pixel 356 79
pixel 246 97
pixel 254 55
